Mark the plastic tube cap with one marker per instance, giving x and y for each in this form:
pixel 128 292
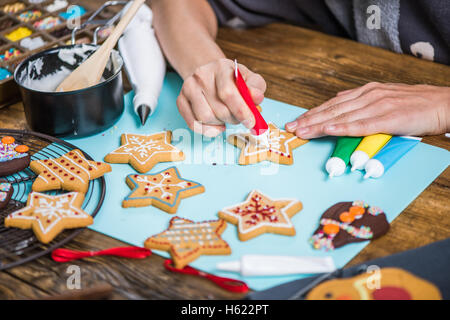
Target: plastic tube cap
pixel 335 167
pixel 358 160
pixel 374 169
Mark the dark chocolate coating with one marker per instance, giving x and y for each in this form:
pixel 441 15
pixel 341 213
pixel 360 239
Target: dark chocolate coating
pixel 13 166
pixel 378 224
pixel 8 196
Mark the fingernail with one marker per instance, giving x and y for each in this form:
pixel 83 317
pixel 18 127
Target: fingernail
pixel 212 132
pixel 330 128
pixel 291 126
pixel 248 124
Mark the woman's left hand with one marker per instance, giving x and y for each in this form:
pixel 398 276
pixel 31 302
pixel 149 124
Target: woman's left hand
pixel 396 109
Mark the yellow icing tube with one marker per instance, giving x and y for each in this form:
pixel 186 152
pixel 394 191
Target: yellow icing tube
pixel 368 147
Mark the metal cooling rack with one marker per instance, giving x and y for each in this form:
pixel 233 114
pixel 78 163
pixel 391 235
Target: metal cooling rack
pixel 19 246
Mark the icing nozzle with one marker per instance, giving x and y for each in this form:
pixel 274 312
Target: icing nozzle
pixel 143 111
pixel 335 167
pixel 358 160
pixel 374 169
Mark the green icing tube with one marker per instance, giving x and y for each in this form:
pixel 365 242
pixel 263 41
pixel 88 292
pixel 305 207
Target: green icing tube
pixel 340 158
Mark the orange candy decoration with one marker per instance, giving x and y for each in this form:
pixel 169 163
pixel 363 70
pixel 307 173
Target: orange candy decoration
pixel 22 149
pixel 8 140
pixel 346 217
pixel 356 211
pixel 330 229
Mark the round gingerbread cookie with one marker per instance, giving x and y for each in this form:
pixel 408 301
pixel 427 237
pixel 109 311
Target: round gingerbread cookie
pixel 13 156
pixel 6 191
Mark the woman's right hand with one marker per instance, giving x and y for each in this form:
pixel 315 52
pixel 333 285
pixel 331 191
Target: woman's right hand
pixel 209 97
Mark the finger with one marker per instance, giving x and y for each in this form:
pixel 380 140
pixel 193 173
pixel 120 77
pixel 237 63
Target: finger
pixel 364 127
pixel 185 110
pixel 336 110
pixel 199 105
pixel 205 81
pixel 371 111
pixel 230 96
pixel 255 83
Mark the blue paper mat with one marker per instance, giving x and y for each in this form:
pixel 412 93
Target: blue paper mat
pixel 228 184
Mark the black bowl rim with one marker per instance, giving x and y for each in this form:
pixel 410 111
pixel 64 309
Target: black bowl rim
pixel 44 52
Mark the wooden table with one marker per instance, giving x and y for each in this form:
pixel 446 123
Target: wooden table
pixel 302 68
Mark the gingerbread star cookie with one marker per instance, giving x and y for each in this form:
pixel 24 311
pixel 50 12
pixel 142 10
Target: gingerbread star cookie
pixel 348 222
pixel 163 190
pixel 13 156
pixel 49 215
pixel 143 152
pixel 259 214
pixel 6 191
pixel 278 150
pixel 70 172
pixel 186 240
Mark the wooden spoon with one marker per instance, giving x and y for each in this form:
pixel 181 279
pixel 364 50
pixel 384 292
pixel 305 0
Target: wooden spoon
pixel 90 71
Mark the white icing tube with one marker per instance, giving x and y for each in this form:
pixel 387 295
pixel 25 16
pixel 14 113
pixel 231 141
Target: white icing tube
pixel 262 265
pixel 144 61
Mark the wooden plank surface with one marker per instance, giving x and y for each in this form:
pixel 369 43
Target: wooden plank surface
pixel 303 68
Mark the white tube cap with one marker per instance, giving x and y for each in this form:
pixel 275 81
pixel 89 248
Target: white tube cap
pixel 374 169
pixel 358 160
pixel 335 167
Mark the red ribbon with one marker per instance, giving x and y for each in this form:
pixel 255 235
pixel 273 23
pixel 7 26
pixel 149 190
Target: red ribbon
pixel 228 284
pixel 65 255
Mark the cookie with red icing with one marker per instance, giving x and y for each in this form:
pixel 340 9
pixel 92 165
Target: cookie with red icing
pixel 278 150
pixel 163 190
pixel 49 215
pixel 14 157
pixel 71 172
pixel 260 214
pixel 348 222
pixel 6 191
pixel 186 240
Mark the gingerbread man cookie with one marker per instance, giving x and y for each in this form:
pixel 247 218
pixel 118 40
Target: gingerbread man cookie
pixel 70 172
pixel 48 215
pixel 13 157
pixel 186 240
pixel 163 190
pixel 384 284
pixel 279 149
pixel 259 214
pixel 6 191
pixel 142 152
pixel 348 222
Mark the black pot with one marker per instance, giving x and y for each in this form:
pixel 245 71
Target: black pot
pixel 74 113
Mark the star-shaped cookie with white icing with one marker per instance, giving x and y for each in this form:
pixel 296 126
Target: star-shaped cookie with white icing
pixel 163 190
pixel 143 152
pixel 71 172
pixel 186 240
pixel 259 214
pixel 279 149
pixel 49 215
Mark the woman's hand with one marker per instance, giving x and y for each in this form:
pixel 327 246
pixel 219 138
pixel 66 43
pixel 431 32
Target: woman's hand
pixel 396 109
pixel 209 97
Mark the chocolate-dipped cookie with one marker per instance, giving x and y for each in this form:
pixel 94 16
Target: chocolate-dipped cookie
pixel 347 222
pixel 13 157
pixel 6 191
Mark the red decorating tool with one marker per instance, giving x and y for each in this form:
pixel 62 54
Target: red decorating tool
pixel 65 255
pixel 261 129
pixel 228 284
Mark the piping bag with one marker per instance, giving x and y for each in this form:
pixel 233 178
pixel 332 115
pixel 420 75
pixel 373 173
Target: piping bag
pixel 265 265
pixel 144 62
